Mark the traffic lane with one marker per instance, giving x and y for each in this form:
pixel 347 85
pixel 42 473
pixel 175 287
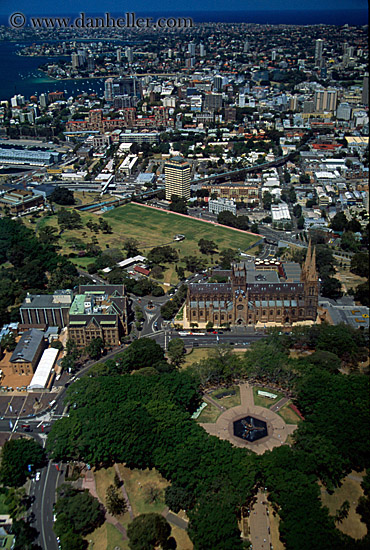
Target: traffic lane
pixel 43 507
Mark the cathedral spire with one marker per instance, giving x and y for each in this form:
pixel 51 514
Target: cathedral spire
pixel 308 257
pixel 312 274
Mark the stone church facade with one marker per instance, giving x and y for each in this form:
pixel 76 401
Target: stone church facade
pixel 281 293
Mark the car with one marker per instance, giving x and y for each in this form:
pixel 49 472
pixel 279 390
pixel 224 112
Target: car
pixel 214 332
pixel 37 476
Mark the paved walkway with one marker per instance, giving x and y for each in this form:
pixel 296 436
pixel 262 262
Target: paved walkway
pixel 277 429
pixel 259 524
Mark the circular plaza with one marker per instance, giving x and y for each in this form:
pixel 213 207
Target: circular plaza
pixel 250 426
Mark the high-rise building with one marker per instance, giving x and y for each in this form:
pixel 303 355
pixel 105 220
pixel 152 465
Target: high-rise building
pixel 75 60
pixel 273 55
pixel 118 55
pixel 108 89
pixel 43 100
pixel 177 178
pixel 91 62
pixel 202 50
pixel 365 89
pixel 319 44
pixel 129 54
pixel 217 83
pixel 325 100
pixel 344 111
pixel 81 57
pixel 191 48
pixel 246 46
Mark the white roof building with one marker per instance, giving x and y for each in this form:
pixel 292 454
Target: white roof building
pixel 44 368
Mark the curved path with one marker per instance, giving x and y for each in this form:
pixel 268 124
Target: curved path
pixel 277 429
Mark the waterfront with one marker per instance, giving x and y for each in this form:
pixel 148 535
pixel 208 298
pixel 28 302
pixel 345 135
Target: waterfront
pixel 20 75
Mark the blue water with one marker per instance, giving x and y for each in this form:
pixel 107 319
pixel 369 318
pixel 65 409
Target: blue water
pixel 272 17
pixel 20 75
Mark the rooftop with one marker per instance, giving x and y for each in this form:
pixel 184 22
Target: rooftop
pixel 27 346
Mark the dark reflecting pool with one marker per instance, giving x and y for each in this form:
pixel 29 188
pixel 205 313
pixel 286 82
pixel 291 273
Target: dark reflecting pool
pixel 250 428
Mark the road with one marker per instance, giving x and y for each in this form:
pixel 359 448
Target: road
pixel 44 493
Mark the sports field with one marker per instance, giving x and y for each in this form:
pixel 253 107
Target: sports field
pixel 150 228
pixel 154 228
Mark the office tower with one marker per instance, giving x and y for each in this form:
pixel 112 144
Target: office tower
pixel 318 51
pixel 75 60
pixel 191 48
pixel 241 100
pixel 169 53
pixel 202 50
pixel 130 55
pixel 118 55
pixel 108 89
pixel 217 83
pixel 246 46
pixel 177 178
pixel 91 62
pixel 273 55
pixel 365 89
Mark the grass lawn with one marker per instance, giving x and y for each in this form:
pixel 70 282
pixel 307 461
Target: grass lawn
pixel 228 401
pixel 150 228
pixel 106 537
pixel 266 402
pixel 288 415
pixel 209 414
pixel 182 538
pixel 350 490
pixel 157 227
pixel 137 484
pixel 103 478
pixel 195 355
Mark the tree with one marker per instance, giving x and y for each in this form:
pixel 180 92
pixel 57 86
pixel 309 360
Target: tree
pixel 178 205
pixel 339 222
pixel 116 504
pixel 63 196
pixel 141 353
pixel 8 342
pixel 148 531
pixel 227 256
pixel 176 351
pixel 95 348
pixel 20 458
pixel 77 511
pixel 177 498
pixel 132 247
pixel 360 264
pixel 207 247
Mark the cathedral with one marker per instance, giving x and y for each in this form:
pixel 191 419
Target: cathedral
pixel 257 291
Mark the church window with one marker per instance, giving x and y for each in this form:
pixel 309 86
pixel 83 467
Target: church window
pixel 264 312
pixel 301 312
pixel 222 317
pixel 278 312
pixel 271 312
pixel 216 317
pixel 293 311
